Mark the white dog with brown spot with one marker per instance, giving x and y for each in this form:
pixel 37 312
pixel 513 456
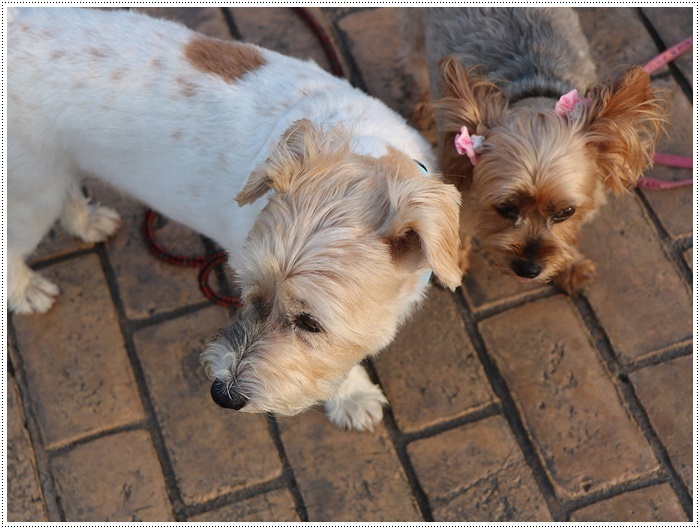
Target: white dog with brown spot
pixel 329 265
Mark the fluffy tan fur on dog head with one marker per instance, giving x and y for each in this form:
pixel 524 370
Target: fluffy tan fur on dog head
pixel 331 267
pixel 540 176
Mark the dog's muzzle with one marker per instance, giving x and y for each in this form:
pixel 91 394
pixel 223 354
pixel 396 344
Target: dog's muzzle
pixel 226 396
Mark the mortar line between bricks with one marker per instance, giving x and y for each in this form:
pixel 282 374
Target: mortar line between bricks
pixel 647 479
pixel 676 73
pixel 287 470
pixel 142 323
pixel 496 307
pixel 684 243
pixel 54 509
pixel 229 498
pixel 679 350
pixel 400 446
pixel 62 448
pixel 231 23
pixel 355 77
pixel 626 391
pixel 669 245
pixel 51 260
pixel 510 410
pixel 483 412
pixel 157 438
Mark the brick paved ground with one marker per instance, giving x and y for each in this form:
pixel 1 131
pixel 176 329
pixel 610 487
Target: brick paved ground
pixel 507 403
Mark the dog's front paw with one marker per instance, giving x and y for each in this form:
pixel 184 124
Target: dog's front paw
pixel 90 222
pixel 577 277
pixel 37 295
pixel 101 223
pixel 358 403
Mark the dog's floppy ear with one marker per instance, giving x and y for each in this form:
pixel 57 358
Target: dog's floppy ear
pixel 468 98
pixel 423 225
pixel 625 118
pixel 285 162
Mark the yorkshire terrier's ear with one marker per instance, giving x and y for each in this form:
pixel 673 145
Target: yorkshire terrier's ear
pixel 468 98
pixel 423 225
pixel 286 161
pixel 625 118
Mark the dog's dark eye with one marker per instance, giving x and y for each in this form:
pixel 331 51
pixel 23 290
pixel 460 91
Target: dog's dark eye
pixel 307 323
pixel 563 214
pixel 508 211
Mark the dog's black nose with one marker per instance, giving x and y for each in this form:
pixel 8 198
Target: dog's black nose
pixel 527 269
pixel 226 397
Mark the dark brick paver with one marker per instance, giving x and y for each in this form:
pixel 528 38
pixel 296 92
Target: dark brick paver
pixel 74 358
pixel 476 472
pixel 652 504
pixel 569 404
pixel 508 403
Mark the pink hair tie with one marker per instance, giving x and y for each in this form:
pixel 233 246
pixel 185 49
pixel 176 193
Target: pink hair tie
pixel 571 105
pixel 468 145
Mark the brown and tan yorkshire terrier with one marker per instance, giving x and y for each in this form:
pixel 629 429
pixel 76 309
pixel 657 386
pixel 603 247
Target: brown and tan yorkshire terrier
pixel 528 136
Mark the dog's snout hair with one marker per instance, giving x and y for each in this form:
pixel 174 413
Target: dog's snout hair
pixel 226 349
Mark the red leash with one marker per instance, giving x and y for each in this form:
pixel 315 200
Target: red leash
pixel 207 263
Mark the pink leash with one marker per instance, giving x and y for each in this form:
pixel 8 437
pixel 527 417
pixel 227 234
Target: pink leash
pixel 671 160
pixel 669 55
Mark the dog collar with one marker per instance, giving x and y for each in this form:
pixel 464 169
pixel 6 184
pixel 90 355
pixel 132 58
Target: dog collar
pixel 422 166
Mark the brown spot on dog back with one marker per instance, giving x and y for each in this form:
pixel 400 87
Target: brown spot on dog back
pixel 177 135
pixel 97 53
pixel 187 88
pixel 156 63
pixel 56 55
pixel 117 75
pixel 228 60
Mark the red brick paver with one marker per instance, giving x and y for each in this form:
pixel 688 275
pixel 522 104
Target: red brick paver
pixel 275 506
pixel 25 499
pixel 670 412
pixel 114 478
pixel 347 475
pixel 653 504
pixel 507 402
pixel 570 406
pixel 422 389
pixel 75 358
pixel 476 473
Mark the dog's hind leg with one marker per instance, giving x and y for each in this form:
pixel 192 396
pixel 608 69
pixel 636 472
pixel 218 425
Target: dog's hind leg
pixel 87 221
pixel 37 184
pixel 358 403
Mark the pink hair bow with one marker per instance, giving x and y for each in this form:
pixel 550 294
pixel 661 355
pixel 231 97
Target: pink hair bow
pixel 570 105
pixel 468 145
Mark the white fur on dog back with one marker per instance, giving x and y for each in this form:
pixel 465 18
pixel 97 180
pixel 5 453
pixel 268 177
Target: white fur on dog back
pixel 123 90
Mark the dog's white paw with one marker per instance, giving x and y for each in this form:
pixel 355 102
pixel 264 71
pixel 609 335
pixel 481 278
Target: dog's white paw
pixel 101 223
pixel 90 222
pixel 358 403
pixel 37 295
